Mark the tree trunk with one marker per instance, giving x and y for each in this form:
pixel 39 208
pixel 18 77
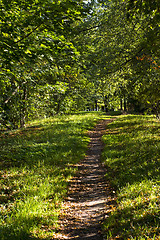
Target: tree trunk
pixel 58 106
pixel 121 104
pixel 96 105
pixel 125 104
pixel 23 107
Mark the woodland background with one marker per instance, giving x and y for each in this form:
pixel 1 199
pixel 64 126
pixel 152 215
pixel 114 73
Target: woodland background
pixel 65 56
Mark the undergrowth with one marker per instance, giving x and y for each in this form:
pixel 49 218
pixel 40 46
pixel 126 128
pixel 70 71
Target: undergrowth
pixel 35 165
pixel 132 157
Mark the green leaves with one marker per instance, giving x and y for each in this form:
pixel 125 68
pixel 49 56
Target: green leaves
pixel 35 39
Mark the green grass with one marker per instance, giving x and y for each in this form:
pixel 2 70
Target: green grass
pixel 132 157
pixel 35 165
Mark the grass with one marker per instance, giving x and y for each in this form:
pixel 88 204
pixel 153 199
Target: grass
pixel 35 165
pixel 132 157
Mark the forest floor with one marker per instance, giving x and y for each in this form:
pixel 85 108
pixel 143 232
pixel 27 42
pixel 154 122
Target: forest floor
pixel 90 196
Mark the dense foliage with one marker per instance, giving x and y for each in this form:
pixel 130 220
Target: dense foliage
pixel 37 55
pixel 64 56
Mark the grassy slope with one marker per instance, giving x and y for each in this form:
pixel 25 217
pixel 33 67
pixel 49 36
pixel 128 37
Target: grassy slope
pixel 132 156
pixel 35 165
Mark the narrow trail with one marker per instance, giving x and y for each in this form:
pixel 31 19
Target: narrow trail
pixel 89 194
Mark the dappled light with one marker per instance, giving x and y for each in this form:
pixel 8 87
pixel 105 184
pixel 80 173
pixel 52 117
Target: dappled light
pixel 67 67
pixel 131 155
pixel 35 166
pixel 84 209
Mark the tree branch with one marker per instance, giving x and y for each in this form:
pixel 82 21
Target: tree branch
pixel 88 29
pixel 27 35
pixel 13 93
pixel 124 63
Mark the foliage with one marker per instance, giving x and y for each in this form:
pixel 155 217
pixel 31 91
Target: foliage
pixel 116 46
pixel 36 48
pixel 65 56
pixel 131 156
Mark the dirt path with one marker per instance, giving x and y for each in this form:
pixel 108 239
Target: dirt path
pixel 88 200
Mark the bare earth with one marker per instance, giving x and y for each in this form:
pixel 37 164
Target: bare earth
pixel 89 196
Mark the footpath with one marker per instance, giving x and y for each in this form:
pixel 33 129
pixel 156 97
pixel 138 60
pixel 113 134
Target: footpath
pixel 89 199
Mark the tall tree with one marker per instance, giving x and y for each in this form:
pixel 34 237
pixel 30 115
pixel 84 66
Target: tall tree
pixel 35 35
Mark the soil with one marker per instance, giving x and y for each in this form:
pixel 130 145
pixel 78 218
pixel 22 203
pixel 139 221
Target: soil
pixel 90 197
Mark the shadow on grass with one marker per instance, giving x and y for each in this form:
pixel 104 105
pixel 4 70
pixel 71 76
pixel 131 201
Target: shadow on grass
pixel 19 232
pixel 35 165
pixel 43 144
pixel 132 158
pixel 132 150
pixel 133 227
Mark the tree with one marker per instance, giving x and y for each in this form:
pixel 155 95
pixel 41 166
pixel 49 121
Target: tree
pixel 34 35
